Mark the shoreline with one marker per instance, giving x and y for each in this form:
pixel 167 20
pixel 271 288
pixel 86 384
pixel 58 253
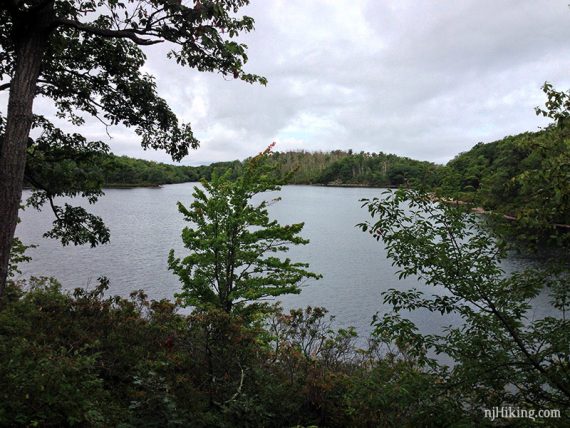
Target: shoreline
pixel 367 186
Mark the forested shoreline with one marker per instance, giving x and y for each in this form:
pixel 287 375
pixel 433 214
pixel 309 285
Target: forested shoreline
pixel 337 167
pixel 520 177
pixel 502 175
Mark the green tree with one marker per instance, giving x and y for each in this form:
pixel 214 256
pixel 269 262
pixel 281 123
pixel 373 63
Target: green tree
pixel 524 179
pixel 86 57
pixel 502 355
pixel 234 245
pixel 557 105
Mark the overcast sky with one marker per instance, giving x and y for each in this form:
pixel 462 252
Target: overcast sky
pixel 425 79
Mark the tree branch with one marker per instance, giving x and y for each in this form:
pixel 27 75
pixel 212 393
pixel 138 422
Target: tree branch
pixel 529 357
pixel 104 32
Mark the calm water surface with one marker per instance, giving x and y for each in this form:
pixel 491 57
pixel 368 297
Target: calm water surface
pixel 145 224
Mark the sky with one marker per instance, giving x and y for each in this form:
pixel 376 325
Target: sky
pixel 426 79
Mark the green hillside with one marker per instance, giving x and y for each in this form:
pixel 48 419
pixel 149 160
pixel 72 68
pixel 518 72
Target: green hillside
pixel 347 168
pixel 524 177
pixel 328 168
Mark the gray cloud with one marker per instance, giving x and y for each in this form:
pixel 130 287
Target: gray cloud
pixel 422 79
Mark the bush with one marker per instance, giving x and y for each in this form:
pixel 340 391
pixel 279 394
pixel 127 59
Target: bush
pixel 85 359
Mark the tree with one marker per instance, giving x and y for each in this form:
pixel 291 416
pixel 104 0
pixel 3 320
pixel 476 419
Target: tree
pixel 502 356
pixel 234 245
pixel 524 179
pixel 557 105
pixel 86 57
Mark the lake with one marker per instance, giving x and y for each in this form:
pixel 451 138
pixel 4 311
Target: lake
pixel 145 224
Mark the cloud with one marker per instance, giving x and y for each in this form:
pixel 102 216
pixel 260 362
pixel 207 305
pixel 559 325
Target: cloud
pixel 422 79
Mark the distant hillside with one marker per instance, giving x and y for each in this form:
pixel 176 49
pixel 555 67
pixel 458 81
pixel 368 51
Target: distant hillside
pixel 526 176
pixel 118 171
pixel 329 168
pixel 348 168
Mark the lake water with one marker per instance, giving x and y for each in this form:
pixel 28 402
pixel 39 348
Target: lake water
pixel 145 224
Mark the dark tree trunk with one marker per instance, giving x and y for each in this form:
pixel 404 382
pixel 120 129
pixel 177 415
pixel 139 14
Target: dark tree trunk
pixel 30 49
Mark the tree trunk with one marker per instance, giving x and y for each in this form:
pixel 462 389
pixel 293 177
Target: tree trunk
pixel 29 53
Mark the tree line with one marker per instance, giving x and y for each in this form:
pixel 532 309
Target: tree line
pixel 337 167
pixel 341 167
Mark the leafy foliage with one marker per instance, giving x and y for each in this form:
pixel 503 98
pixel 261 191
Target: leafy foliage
pixel 557 105
pixel 87 359
pixel 234 245
pixel 17 256
pixel 502 356
pixel 93 60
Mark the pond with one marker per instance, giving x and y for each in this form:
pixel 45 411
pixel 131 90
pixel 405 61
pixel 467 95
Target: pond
pixel 145 224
